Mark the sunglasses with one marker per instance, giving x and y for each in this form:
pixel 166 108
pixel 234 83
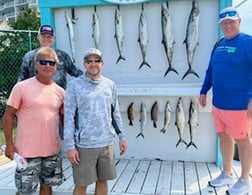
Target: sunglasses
pixel 89 61
pixel 45 62
pixel 228 14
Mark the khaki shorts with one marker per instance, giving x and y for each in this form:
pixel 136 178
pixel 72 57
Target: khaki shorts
pixel 234 123
pixel 45 170
pixel 94 163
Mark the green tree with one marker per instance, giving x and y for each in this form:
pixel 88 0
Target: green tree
pixel 29 19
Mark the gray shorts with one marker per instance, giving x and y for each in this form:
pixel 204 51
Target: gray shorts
pixel 45 170
pixel 94 163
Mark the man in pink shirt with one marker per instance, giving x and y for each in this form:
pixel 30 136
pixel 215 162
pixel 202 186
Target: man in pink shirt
pixel 38 104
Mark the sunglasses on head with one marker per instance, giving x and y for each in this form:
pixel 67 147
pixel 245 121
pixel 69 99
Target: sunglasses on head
pixel 229 14
pixel 45 62
pixel 89 61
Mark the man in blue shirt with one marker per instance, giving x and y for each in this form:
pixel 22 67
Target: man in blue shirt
pixel 230 75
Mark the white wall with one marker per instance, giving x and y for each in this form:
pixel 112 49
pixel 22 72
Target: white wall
pixel 154 86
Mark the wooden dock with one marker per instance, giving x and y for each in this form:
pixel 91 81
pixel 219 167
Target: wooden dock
pixel 140 177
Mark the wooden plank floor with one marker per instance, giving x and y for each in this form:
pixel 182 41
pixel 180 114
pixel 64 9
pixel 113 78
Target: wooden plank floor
pixel 140 177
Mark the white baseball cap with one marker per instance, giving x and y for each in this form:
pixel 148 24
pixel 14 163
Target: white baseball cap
pixel 91 51
pixel 228 13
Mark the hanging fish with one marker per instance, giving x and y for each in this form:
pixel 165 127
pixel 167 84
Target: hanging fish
pixel 192 34
pixel 119 34
pixel 96 28
pixel 180 121
pixel 69 24
pixel 143 119
pixel 168 39
pixel 155 113
pixel 167 117
pixel 131 113
pixel 143 37
pixel 193 122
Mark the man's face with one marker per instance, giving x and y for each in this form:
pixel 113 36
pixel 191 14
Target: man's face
pixel 230 28
pixel 46 66
pixel 93 65
pixel 46 40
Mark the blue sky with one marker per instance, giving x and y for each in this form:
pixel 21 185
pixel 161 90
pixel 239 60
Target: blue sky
pixel 246 15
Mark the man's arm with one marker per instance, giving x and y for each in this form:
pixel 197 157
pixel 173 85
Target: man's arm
pixel 8 125
pixel 70 68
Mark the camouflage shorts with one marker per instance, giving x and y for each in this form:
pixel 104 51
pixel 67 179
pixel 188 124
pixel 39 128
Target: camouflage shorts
pixel 45 170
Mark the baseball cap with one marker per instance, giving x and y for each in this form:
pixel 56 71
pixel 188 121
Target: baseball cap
pixel 228 13
pixel 46 29
pixel 91 51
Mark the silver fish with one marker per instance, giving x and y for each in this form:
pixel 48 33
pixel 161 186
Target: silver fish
pixel 96 28
pixel 167 117
pixel 143 119
pixel 180 121
pixel 155 113
pixel 191 39
pixel 131 113
pixel 168 39
pixel 69 24
pixel 119 34
pixel 193 122
pixel 143 37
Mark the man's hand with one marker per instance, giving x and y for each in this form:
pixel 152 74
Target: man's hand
pixel 73 156
pixel 123 146
pixel 202 100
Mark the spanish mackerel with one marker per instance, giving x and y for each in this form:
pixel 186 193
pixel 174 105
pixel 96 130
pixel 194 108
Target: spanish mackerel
pixel 180 121
pixel 193 121
pixel 168 39
pixel 143 37
pixel 143 119
pixel 191 40
pixel 69 24
pixel 119 34
pixel 96 28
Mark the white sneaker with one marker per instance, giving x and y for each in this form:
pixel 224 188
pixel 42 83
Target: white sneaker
pixel 241 187
pixel 222 180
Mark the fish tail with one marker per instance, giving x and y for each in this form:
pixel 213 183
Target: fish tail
pixel 144 63
pixel 120 58
pixel 191 144
pixel 181 141
pixel 154 124
pixel 190 71
pixel 140 134
pixel 163 130
pixel 130 123
pixel 169 69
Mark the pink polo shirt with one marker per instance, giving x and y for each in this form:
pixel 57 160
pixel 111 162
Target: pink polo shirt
pixel 38 108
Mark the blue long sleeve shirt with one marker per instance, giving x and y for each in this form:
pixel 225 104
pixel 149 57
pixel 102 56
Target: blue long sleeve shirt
pixel 229 73
pixel 95 114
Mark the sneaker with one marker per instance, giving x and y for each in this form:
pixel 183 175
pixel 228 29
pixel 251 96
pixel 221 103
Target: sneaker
pixel 241 187
pixel 222 180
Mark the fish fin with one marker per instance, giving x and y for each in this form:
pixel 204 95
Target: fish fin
pixel 190 71
pixel 144 63
pixel 120 58
pixel 191 144
pixel 140 134
pixel 169 69
pixel 181 141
